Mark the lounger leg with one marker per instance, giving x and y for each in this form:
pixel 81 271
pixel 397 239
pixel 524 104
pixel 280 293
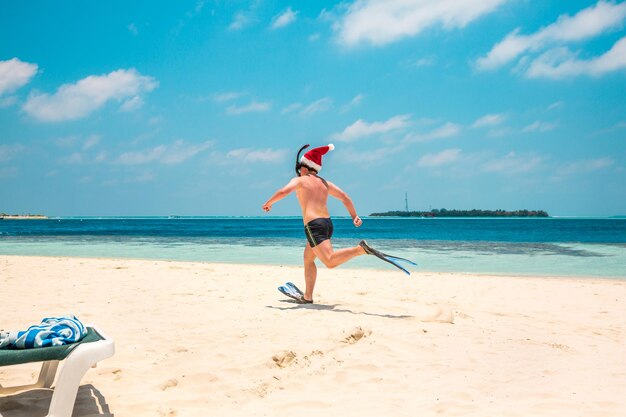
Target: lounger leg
pixel 46 376
pixel 66 387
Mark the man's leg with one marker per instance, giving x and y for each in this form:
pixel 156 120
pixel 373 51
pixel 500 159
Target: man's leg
pixel 310 272
pixel 332 258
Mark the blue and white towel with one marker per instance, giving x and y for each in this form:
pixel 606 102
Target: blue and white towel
pixel 53 331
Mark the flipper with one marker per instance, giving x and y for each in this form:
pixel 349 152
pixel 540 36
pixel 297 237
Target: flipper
pixel 289 292
pixel 292 286
pixel 387 258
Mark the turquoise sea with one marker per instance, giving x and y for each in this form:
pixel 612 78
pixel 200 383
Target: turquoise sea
pixel 587 247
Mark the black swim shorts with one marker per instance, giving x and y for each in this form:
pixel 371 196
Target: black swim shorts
pixel 318 230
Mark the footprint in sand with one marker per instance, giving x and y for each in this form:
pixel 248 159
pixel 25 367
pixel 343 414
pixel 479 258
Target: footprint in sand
pixel 357 334
pixel 284 359
pixel 170 383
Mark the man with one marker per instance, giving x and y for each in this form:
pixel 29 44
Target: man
pixel 312 192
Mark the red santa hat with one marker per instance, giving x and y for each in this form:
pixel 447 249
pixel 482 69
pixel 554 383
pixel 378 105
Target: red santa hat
pixel 313 158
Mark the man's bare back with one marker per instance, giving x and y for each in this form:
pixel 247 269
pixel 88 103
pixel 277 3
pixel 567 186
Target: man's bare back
pixel 312 192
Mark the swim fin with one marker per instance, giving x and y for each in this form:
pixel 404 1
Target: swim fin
pixel 393 260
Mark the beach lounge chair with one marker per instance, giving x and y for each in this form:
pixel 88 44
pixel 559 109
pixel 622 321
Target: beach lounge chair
pixel 77 358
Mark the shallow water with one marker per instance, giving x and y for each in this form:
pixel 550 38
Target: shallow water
pixel 561 247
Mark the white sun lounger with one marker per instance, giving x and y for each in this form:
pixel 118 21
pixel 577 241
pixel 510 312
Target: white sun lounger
pixel 77 358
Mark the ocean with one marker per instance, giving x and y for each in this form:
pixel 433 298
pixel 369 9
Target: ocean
pixel 570 247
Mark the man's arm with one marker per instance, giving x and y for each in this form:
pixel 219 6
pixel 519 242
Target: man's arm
pixel 341 195
pixel 281 193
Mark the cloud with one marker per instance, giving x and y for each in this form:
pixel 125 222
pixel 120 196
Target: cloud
pixel 513 164
pixel 561 63
pixel 252 107
pixel 240 20
pixel 178 152
pixel 284 19
pixel 353 103
pixel 584 167
pixel 226 96
pixel 317 106
pixel 7 152
pixel 15 74
pixel 75 101
pixel 91 142
pixel 445 157
pixel 586 24
pixel 424 62
pixel 380 22
pixel 361 128
pixel 489 120
pixel 132 104
pixel 448 130
pixel 7 101
pixel 538 126
pixel 257 155
pixel 291 108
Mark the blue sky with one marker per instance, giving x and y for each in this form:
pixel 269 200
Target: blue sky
pixel 198 107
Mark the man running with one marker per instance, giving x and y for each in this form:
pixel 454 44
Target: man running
pixel 312 192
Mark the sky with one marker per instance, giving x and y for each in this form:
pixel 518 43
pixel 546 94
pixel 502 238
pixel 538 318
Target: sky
pixel 198 107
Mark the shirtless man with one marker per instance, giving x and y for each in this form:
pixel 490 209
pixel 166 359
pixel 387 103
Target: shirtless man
pixel 312 192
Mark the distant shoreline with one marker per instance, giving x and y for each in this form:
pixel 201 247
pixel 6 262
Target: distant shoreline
pixel 463 213
pixel 22 216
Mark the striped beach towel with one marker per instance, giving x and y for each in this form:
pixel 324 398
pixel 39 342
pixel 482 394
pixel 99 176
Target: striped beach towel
pixel 53 331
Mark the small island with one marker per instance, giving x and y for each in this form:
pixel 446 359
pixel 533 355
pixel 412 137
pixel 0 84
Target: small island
pixel 463 213
pixel 4 216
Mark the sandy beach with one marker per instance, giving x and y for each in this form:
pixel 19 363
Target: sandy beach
pixel 198 339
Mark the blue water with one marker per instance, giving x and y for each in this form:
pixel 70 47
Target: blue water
pixel 553 246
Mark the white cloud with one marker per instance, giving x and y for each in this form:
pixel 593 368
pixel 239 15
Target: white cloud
pixel 284 19
pixel 424 62
pixel 74 101
pixel 252 107
pixel 91 142
pixel 353 103
pixel 539 126
pixel 448 130
pixel 178 152
pixel 15 74
pixel 317 106
pixel 586 24
pixel 379 22
pixel 489 120
pixel 291 108
pixel 7 101
pixel 561 63
pixel 585 166
pixel 556 105
pixel 361 128
pixel 226 96
pixel 445 157
pixel 240 20
pixel 257 155
pixel 513 163
pixel 132 104
pixel 352 156
pixel 7 152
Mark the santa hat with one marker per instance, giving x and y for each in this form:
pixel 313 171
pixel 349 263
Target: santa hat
pixel 313 158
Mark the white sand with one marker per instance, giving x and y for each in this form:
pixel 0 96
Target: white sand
pixel 200 339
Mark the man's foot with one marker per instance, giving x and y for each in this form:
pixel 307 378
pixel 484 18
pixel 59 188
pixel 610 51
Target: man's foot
pixel 368 250
pixel 302 300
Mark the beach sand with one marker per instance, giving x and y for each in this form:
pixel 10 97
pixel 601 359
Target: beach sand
pixel 200 339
